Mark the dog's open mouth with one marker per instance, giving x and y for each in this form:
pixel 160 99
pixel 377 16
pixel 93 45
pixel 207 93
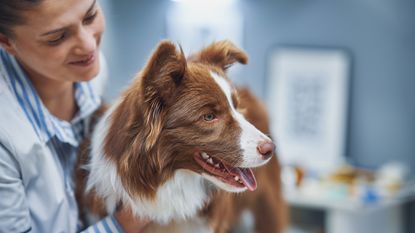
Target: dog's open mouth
pixel 235 176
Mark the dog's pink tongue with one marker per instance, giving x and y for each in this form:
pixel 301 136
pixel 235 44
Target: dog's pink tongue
pixel 247 177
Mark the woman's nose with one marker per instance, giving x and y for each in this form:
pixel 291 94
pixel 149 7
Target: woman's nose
pixel 87 42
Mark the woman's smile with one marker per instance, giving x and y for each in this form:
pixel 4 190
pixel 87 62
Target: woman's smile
pixel 84 62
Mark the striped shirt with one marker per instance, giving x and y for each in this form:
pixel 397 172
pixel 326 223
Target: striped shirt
pixel 61 137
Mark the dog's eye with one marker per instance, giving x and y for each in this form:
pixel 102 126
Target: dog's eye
pixel 209 117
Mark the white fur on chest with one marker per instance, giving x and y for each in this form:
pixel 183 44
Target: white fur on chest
pixel 179 198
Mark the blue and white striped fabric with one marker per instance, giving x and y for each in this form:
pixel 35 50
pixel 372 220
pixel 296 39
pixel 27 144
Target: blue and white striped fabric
pixel 108 224
pixel 45 124
pixel 61 137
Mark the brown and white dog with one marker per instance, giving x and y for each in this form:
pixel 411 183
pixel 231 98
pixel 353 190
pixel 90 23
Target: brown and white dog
pixel 176 139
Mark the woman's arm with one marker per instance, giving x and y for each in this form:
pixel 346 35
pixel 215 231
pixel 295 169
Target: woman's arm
pixel 121 222
pixel 14 211
pixel 129 223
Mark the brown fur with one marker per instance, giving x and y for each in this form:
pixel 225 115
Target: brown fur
pixel 157 128
pixel 88 201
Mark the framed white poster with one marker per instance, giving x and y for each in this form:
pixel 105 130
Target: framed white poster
pixel 308 92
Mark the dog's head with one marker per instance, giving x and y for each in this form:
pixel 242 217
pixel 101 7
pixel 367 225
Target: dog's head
pixel 183 114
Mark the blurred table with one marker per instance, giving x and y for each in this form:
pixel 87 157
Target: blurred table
pixel 351 216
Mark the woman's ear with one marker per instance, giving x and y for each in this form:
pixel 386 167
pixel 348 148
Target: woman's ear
pixel 7 44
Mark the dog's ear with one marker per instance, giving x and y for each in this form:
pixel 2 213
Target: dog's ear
pixel 222 53
pixel 137 120
pixel 162 75
pixel 164 70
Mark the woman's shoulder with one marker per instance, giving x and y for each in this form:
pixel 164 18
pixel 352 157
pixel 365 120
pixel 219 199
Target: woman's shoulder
pixel 15 131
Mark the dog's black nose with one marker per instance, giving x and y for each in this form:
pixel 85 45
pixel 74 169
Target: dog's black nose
pixel 266 149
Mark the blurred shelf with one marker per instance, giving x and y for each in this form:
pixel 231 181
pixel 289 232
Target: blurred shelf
pixel 347 215
pixel 299 199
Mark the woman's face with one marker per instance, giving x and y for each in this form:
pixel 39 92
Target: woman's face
pixel 60 40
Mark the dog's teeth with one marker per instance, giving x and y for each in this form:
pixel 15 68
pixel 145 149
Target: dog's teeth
pixel 217 165
pixel 204 155
pixel 210 161
pixel 236 178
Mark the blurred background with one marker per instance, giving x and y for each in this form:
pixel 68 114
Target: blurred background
pixel 358 105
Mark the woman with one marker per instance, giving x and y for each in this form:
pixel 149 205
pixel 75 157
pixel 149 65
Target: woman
pixel 51 78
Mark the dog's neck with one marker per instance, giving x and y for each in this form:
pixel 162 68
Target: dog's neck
pixel 179 198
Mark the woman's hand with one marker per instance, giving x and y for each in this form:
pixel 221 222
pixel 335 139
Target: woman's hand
pixel 130 223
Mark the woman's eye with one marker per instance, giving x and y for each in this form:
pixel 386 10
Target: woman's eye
pixel 209 117
pixel 57 40
pixel 90 19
